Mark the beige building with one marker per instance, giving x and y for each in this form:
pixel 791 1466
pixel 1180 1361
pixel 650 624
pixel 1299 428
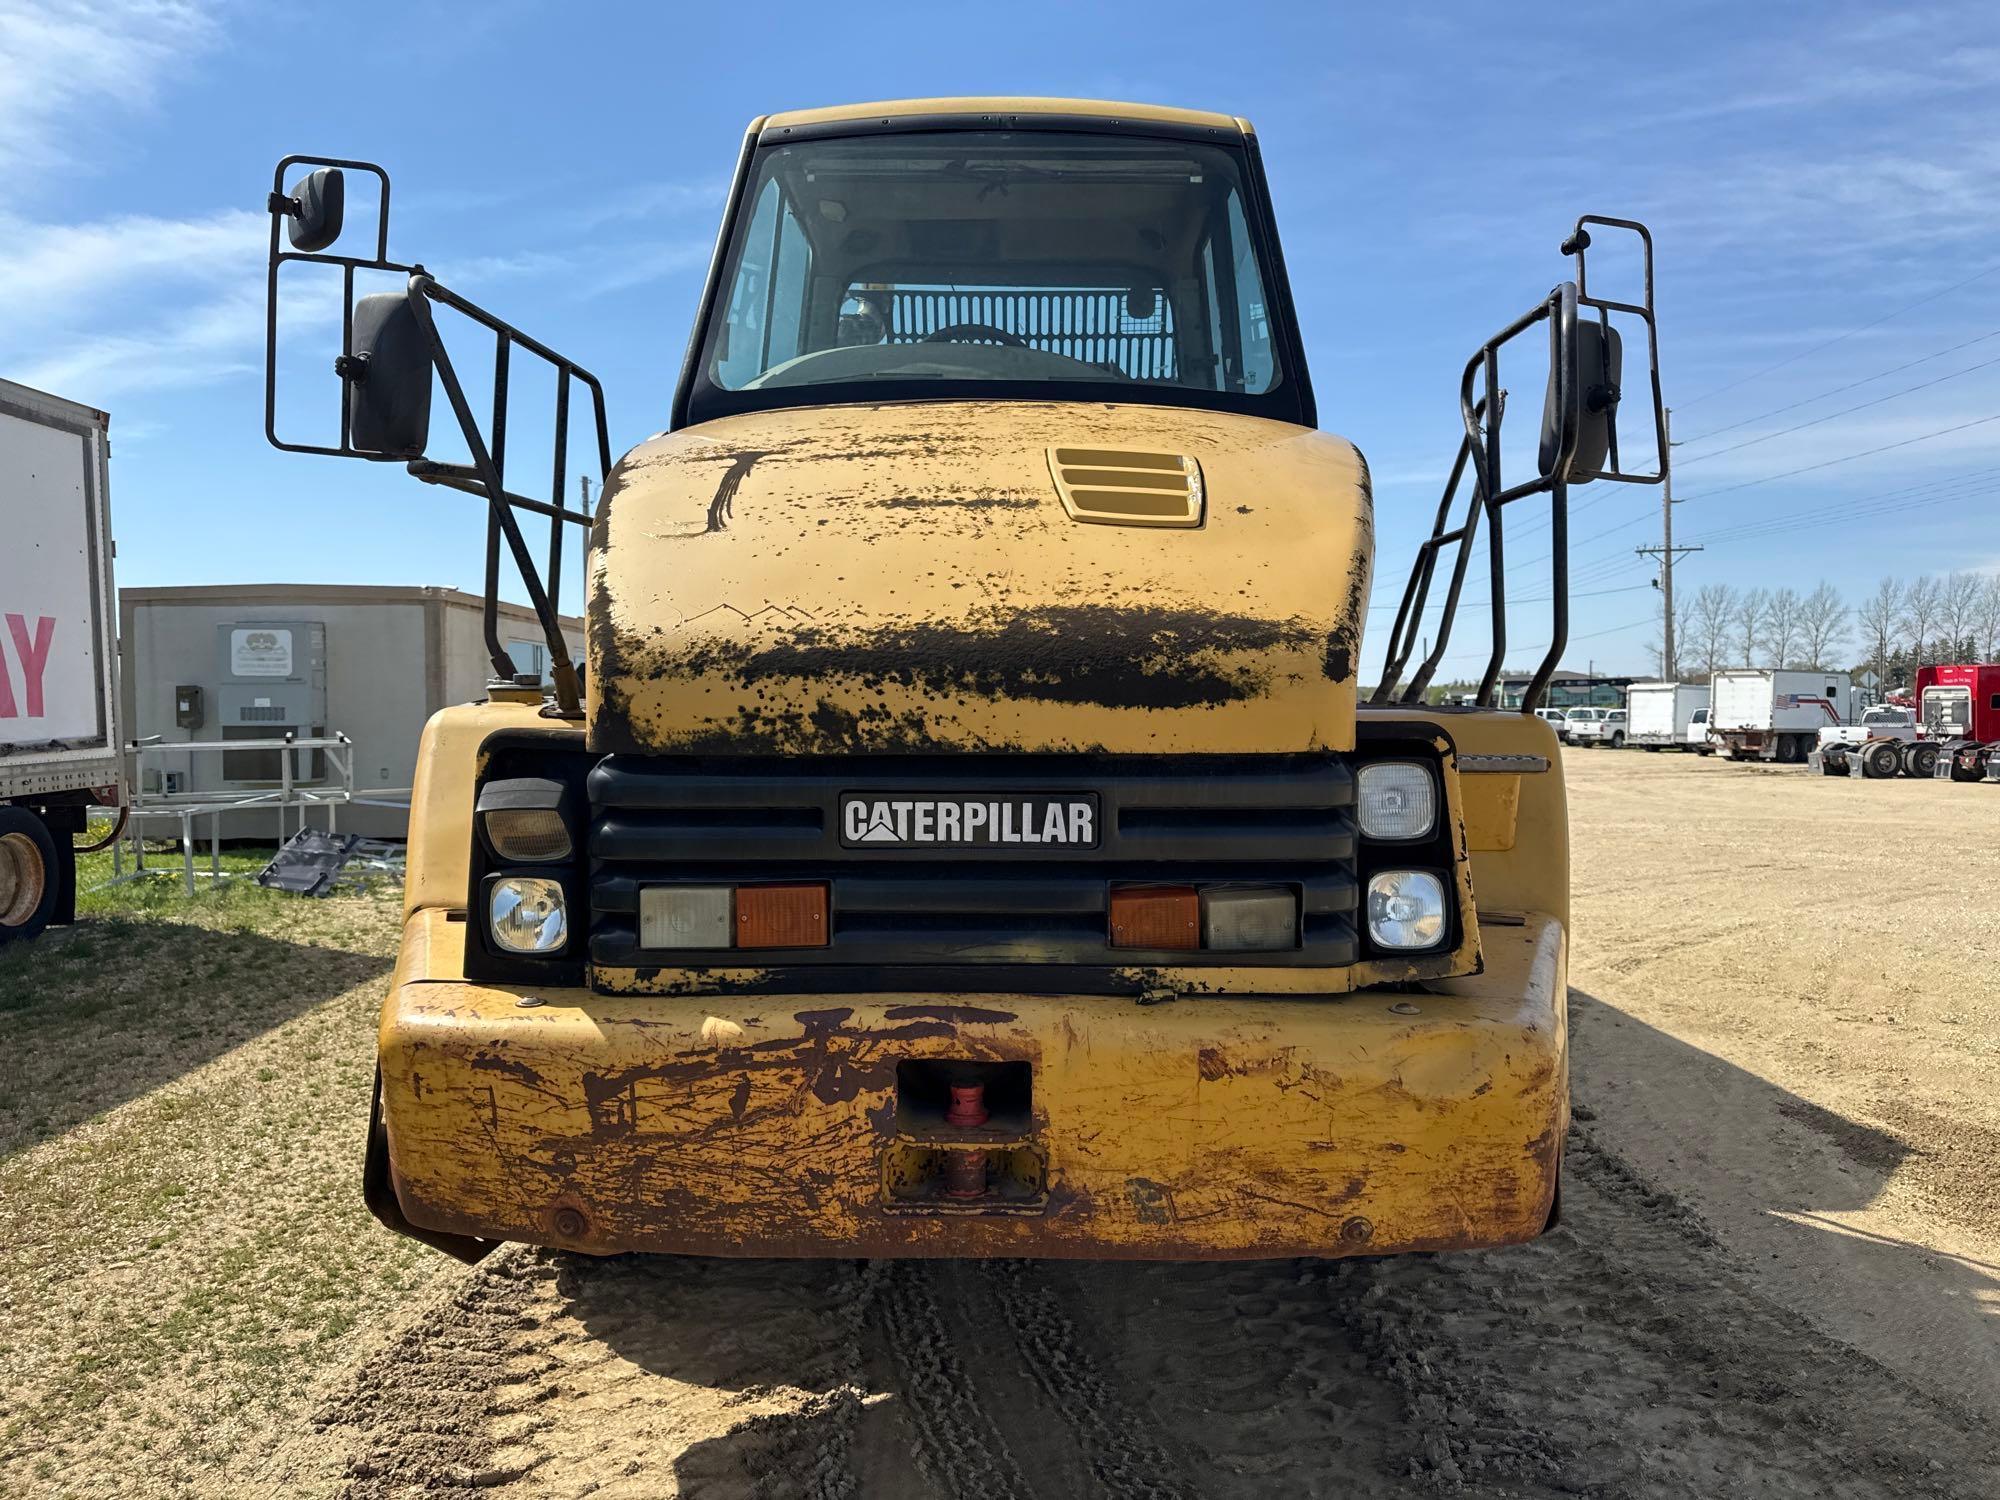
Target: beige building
pixel 253 661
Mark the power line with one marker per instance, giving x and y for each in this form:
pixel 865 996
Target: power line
pixel 1591 636
pixel 1846 412
pixel 1529 599
pixel 1779 411
pixel 1848 458
pixel 1839 338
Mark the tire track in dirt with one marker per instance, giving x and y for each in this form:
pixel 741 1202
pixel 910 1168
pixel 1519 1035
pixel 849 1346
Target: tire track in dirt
pixel 958 1445
pixel 1624 1355
pixel 1115 1438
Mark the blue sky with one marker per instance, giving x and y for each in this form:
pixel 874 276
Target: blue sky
pixel 1810 173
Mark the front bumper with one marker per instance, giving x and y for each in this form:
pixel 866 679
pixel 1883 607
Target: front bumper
pixel 1423 1118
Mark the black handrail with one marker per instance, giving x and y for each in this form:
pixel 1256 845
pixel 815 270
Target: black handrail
pixel 1482 410
pixel 485 475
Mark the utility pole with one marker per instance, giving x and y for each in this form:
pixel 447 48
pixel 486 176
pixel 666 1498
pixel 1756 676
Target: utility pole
pixel 583 488
pixel 1666 552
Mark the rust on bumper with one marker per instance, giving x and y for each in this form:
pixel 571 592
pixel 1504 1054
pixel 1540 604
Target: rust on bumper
pixel 1423 1118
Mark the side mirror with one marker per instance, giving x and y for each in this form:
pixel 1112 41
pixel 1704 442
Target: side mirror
pixel 388 378
pixel 319 202
pixel 1598 359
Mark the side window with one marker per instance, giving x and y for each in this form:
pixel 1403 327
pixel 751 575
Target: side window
pixel 788 301
pixel 1253 318
pixel 740 356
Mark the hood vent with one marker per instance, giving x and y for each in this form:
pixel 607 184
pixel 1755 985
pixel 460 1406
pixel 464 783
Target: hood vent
pixel 1128 486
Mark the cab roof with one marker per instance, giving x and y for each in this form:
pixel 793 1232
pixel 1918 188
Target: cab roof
pixel 918 109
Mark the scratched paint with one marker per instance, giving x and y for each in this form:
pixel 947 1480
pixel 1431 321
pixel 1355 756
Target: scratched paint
pixel 880 579
pixel 1210 1128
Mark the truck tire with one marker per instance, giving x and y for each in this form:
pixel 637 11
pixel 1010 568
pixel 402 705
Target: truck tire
pixel 1880 760
pixel 29 875
pixel 1920 760
pixel 1833 762
pixel 1618 740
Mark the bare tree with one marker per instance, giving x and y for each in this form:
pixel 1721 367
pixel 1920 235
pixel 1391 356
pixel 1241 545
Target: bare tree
pixel 1753 612
pixel 1881 620
pixel 1686 651
pixel 1989 617
pixel 1958 616
pixel 1921 604
pixel 1822 625
pixel 1713 607
pixel 1782 627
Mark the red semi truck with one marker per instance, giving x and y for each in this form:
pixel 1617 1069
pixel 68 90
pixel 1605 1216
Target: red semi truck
pixel 1959 707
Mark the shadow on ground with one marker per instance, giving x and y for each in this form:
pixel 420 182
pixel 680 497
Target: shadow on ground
pixel 99 1013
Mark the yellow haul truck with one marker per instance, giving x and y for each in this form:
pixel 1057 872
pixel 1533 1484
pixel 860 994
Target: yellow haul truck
pixel 964 837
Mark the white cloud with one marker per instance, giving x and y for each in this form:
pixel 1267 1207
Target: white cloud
pixel 48 270
pixel 62 61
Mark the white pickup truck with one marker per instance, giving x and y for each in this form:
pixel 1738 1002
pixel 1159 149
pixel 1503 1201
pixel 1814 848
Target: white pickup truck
pixel 1608 726
pixel 59 729
pixel 1886 741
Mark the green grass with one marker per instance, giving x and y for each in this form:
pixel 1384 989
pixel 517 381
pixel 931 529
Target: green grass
pixel 183 1095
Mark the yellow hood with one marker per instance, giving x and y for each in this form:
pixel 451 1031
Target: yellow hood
pixel 907 577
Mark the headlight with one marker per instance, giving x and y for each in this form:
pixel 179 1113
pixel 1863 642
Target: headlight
pixel 1398 800
pixel 1405 909
pixel 527 914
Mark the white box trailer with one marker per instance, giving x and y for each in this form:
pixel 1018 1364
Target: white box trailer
pixel 60 732
pixel 1763 713
pixel 1659 713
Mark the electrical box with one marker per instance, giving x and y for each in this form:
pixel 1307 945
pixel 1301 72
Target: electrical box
pixel 272 682
pixel 187 707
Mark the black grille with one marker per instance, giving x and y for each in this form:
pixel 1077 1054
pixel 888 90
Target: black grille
pixel 923 912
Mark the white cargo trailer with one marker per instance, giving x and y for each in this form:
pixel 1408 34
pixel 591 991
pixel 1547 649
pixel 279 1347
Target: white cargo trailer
pixel 59 728
pixel 1761 713
pixel 1660 713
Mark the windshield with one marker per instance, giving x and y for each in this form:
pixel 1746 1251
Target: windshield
pixel 989 264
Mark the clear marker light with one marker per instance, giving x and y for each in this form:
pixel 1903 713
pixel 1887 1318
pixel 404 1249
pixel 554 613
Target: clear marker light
pixel 528 915
pixel 1406 909
pixel 1397 800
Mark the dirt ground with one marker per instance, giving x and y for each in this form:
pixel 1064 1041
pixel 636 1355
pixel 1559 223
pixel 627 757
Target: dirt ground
pixel 1777 1273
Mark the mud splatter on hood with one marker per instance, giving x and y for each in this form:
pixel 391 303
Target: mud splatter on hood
pixel 905 577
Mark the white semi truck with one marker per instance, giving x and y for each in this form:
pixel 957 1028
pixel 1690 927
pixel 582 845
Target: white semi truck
pixel 59 732
pixel 1764 713
pixel 1660 713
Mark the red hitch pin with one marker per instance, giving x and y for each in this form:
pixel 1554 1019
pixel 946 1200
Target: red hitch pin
pixel 968 1106
pixel 965 1173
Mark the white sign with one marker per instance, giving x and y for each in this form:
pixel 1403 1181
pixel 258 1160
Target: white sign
pixel 260 651
pixel 48 658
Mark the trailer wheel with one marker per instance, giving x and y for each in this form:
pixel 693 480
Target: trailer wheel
pixel 1920 760
pixel 29 885
pixel 1880 760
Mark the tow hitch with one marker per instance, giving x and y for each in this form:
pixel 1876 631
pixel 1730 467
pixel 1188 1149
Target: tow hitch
pixel 963 1140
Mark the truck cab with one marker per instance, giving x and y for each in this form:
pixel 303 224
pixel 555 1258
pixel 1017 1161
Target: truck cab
pixel 1958 705
pixel 965 838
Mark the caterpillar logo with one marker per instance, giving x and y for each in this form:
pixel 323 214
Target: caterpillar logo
pixel 1066 821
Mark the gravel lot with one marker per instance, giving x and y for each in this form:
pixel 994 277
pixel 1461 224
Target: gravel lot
pixel 1777 1272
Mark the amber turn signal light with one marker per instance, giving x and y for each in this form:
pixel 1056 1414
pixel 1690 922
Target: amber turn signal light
pixel 781 916
pixel 1155 916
